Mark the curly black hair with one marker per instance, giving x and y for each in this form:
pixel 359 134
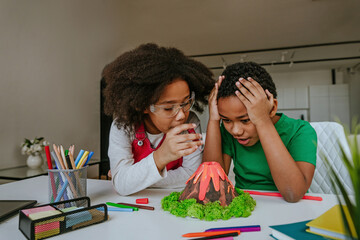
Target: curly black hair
pixel 136 79
pixel 233 72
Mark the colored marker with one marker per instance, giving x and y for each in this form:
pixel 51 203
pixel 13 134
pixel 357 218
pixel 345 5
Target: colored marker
pixel 137 206
pixel 82 160
pixel 48 157
pixel 252 228
pixel 116 209
pixel 121 206
pixel 210 234
pixel 88 158
pixel 79 157
pixel 277 194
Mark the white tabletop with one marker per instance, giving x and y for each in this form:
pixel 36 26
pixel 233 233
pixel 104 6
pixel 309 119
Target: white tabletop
pixel 158 224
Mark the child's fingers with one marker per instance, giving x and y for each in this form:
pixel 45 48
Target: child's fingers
pixel 214 91
pixel 190 144
pixel 250 88
pixel 183 127
pixel 242 98
pixel 221 78
pixel 243 93
pixel 256 88
pixel 189 137
pixel 188 151
pixel 269 95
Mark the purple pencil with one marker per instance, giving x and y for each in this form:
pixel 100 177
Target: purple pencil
pixel 252 228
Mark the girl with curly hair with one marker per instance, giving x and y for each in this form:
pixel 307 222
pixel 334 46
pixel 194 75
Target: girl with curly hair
pixel 155 138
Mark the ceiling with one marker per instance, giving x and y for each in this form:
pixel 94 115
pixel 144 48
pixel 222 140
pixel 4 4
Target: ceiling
pixel 302 30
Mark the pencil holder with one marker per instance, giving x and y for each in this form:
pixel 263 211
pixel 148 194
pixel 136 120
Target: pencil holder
pixel 67 184
pixel 56 218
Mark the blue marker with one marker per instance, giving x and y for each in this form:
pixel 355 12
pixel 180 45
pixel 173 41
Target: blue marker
pixel 79 157
pixel 115 209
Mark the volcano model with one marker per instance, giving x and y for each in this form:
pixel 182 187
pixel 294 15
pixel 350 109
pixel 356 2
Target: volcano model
pixel 209 184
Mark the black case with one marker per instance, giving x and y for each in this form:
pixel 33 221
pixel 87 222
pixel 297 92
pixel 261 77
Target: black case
pixel 81 216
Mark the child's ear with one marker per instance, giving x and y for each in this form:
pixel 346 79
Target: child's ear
pixel 146 111
pixel 274 109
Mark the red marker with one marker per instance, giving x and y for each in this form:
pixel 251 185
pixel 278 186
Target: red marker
pixel 48 157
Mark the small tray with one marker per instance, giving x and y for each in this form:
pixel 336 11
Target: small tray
pixel 52 219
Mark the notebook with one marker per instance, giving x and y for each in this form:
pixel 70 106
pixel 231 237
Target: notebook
pixel 330 224
pixel 291 231
pixel 10 208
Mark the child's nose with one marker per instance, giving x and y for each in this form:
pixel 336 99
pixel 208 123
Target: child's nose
pixel 238 129
pixel 180 115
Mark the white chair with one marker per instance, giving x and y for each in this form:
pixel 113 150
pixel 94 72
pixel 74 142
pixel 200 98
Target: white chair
pixel 330 137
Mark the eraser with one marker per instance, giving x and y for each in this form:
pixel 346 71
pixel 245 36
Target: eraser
pixel 142 200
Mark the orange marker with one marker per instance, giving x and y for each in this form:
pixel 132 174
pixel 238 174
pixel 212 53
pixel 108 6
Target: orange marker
pixel 209 234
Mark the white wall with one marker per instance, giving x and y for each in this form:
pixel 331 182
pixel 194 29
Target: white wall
pixel 301 79
pixel 51 57
pixel 353 78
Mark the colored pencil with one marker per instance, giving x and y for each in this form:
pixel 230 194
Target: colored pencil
pixel 73 149
pixel 252 228
pixel 137 206
pixel 72 160
pixel 62 152
pixel 277 194
pixel 62 166
pixel 209 234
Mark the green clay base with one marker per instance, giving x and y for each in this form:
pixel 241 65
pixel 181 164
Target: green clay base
pixel 241 206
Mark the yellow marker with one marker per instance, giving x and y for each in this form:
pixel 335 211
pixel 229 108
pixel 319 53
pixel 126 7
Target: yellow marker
pixel 82 160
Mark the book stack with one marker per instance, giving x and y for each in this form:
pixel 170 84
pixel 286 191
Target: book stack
pixel 293 231
pixel 329 225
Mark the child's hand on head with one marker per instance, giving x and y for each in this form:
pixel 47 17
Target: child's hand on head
pixel 213 108
pixel 177 145
pixel 258 102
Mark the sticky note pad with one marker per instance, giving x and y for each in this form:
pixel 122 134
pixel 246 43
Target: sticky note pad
pixel 47 227
pixel 77 218
pixel 38 215
pixel 69 209
pixel 47 233
pixel 97 216
pixel 29 211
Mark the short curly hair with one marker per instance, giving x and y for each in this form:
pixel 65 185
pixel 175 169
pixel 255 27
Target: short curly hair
pixel 233 72
pixel 136 79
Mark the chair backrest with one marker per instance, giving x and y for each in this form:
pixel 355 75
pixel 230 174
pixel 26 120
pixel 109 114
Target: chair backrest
pixel 330 137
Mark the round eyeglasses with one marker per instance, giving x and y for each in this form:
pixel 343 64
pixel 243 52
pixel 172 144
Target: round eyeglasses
pixel 171 110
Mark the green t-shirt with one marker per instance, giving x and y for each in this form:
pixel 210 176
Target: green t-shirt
pixel 250 166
